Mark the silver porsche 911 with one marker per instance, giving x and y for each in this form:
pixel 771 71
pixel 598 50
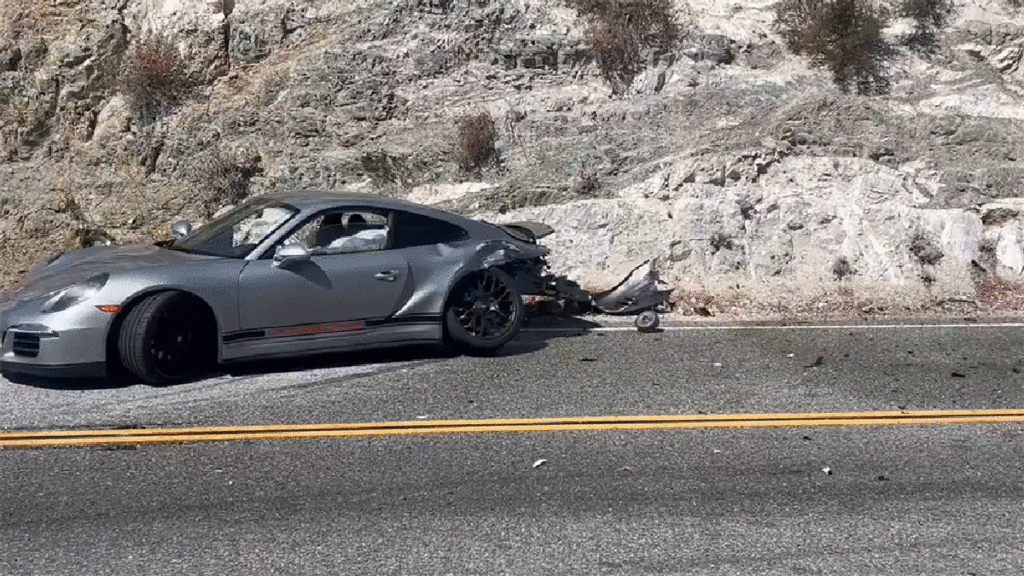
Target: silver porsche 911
pixel 279 275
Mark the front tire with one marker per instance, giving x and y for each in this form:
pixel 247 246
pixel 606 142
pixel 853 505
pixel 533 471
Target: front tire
pixel 167 338
pixel 484 312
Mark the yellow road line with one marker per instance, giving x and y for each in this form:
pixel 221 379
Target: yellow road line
pixel 59 438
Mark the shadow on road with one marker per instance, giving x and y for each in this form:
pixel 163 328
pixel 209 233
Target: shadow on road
pixel 538 329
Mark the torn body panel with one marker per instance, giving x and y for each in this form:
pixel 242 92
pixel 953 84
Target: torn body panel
pixel 641 290
pixel 439 269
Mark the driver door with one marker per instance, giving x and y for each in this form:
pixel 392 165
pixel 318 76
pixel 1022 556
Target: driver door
pixel 350 283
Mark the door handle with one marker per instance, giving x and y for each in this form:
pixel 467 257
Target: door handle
pixel 387 276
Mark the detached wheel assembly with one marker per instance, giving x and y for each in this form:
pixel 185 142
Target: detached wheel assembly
pixel 167 338
pixel 484 312
pixel 647 321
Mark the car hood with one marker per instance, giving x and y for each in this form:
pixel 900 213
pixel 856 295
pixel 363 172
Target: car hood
pixel 81 264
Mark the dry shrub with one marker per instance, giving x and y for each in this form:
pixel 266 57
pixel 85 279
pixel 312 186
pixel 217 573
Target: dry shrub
pixel 842 269
pixel 998 294
pixel 154 77
pixel 931 14
pixel 844 36
pixel 223 177
pixel 621 30
pixel 925 250
pixel 476 139
pixel 929 17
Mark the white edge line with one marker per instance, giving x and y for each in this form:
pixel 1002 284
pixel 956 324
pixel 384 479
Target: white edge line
pixel 785 327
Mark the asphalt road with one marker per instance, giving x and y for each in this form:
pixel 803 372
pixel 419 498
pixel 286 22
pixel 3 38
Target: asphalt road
pixel 866 500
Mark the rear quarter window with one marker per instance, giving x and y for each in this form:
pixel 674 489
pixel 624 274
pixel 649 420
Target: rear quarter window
pixel 417 230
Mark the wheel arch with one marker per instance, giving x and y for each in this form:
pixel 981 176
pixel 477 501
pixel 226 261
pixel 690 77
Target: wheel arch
pixel 113 357
pixel 454 289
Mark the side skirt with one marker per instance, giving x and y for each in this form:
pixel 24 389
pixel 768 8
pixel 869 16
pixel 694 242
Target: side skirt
pixel 329 337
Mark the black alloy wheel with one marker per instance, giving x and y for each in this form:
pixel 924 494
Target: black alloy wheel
pixel 485 312
pixel 166 338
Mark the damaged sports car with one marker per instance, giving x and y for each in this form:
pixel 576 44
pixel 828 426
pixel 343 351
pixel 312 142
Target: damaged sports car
pixel 279 275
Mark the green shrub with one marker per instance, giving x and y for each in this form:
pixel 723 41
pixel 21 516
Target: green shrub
pixel 154 77
pixel 620 31
pixel 476 138
pixel 844 36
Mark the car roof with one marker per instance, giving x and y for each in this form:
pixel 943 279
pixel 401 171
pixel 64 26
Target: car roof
pixel 315 200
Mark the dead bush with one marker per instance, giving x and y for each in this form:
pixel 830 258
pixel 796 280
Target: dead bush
pixel 587 183
pixel 223 177
pixel 927 13
pixel 476 138
pixel 721 241
pixel 621 30
pixel 154 77
pixel 842 268
pixel 925 250
pixel 844 36
pixel 929 17
pixel 998 294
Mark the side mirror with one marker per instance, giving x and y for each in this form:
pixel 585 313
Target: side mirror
pixel 290 254
pixel 181 228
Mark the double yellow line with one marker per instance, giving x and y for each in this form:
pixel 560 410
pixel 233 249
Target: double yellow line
pixel 65 438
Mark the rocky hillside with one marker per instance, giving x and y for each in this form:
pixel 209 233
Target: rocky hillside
pixel 747 176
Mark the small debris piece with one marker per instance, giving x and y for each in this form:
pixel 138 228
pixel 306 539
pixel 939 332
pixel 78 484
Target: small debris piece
pixel 958 375
pixel 717 364
pixel 790 355
pixel 816 363
pixel 540 463
pixel 827 471
pixel 588 359
pixel 807 437
pixel 883 478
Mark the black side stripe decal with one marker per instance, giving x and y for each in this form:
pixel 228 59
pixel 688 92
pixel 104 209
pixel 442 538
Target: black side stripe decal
pixel 328 328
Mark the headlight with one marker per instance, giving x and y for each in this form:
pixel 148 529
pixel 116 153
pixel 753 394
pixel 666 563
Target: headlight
pixel 67 297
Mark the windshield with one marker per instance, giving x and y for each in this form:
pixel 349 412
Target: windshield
pixel 239 231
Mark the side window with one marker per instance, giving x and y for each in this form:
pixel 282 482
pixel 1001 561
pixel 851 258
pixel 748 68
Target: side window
pixel 343 231
pixel 416 230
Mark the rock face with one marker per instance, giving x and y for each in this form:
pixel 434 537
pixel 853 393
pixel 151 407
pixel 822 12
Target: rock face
pixel 740 170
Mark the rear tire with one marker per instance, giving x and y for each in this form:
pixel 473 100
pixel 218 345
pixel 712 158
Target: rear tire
pixel 168 337
pixel 484 312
